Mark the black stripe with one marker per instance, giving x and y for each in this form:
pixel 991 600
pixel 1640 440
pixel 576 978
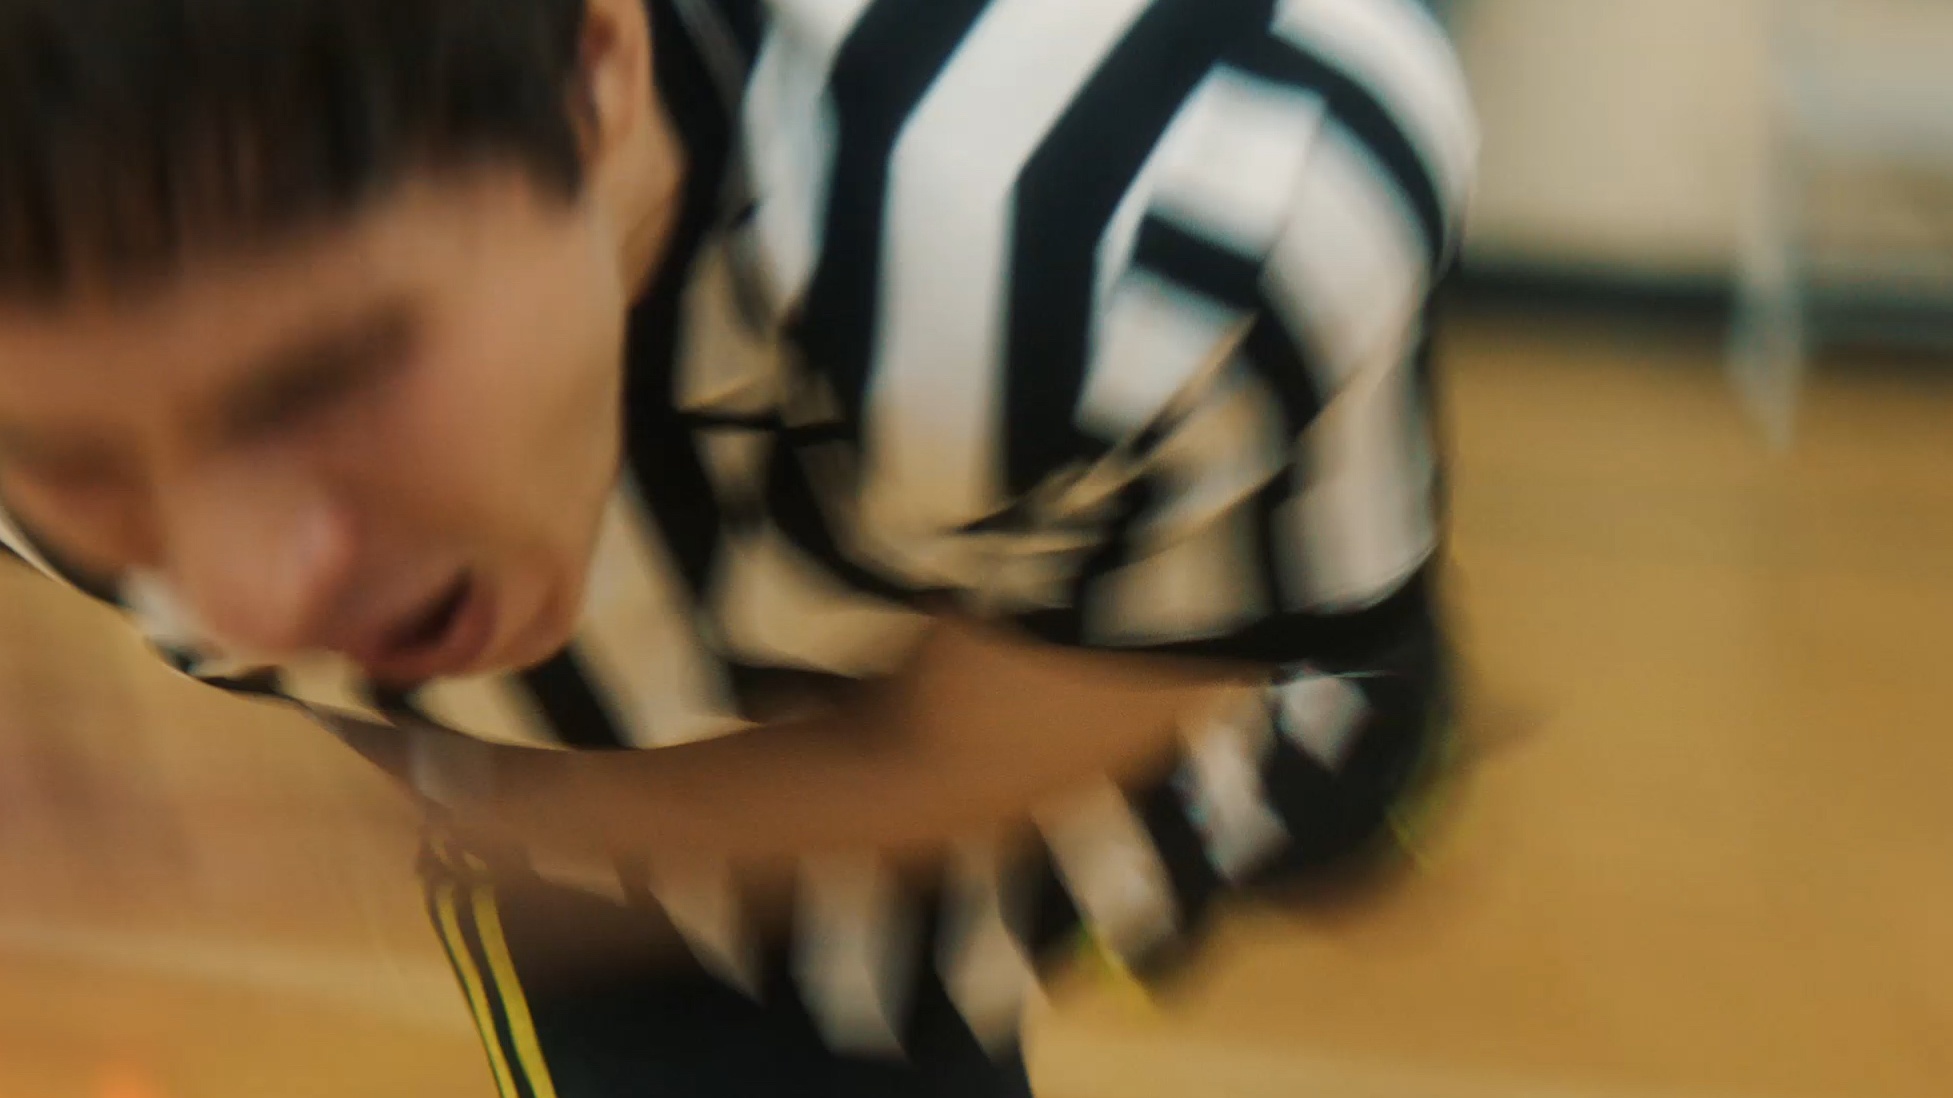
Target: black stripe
pixel 934 1031
pixel 659 446
pixel 397 701
pixel 1066 197
pixel 1196 263
pixel 1066 624
pixel 677 491
pixel 1054 916
pixel 746 20
pixel 1273 537
pixel 1277 357
pixel 1340 817
pixel 1306 797
pixel 455 963
pixel 264 682
pixel 732 421
pixel 575 712
pixel 759 692
pixel 1353 106
pixel 1168 819
pixel 1349 639
pixel 1280 358
pixel 895 52
pixel 794 506
pixel 184 660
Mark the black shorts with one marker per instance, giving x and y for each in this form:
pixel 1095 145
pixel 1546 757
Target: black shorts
pixel 642 1017
pixel 652 1022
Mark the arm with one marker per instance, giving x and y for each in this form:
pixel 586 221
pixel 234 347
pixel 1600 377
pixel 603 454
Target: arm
pixel 979 731
pixel 1267 496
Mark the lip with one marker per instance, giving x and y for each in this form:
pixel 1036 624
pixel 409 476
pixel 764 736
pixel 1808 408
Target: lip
pixel 460 645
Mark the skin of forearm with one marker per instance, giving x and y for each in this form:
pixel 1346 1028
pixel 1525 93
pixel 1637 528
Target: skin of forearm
pixel 976 735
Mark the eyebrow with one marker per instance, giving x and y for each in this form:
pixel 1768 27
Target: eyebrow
pixel 317 364
pixel 328 359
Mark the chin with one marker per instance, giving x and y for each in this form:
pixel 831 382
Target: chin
pixel 543 634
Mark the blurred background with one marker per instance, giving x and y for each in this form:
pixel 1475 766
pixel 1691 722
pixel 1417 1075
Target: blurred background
pixel 1701 409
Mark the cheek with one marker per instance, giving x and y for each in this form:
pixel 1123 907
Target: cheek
pixel 101 530
pixel 513 421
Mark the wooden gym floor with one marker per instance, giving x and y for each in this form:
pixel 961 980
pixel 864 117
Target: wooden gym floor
pixel 1701 849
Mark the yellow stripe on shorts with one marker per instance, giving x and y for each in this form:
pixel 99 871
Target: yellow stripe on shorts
pixel 515 1005
pixel 449 920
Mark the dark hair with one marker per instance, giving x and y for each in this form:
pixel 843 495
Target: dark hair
pixel 133 129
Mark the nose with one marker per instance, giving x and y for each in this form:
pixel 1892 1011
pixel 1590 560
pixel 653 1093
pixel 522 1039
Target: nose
pixel 260 555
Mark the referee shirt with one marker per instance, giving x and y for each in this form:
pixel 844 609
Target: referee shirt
pixel 1103 317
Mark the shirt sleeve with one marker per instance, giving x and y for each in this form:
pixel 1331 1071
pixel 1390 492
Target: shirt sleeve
pixel 1272 487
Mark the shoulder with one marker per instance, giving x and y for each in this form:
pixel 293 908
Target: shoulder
pixel 1316 175
pixel 928 172
pixel 1080 119
pixel 1331 95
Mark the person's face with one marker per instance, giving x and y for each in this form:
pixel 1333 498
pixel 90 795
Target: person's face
pixel 393 439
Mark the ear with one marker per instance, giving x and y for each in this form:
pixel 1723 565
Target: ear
pixel 612 92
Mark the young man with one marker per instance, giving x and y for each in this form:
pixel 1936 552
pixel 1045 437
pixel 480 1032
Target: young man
pixel 956 475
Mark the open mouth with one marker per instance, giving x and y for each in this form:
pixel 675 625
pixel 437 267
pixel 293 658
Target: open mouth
pixel 447 638
pixel 427 632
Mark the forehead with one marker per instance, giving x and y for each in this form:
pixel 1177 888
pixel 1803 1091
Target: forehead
pixel 93 362
pixel 95 353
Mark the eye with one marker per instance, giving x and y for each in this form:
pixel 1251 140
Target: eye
pixel 316 380
pixel 66 474
pixel 294 398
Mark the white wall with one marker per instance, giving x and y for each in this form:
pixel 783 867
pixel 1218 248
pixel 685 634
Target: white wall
pixel 1624 133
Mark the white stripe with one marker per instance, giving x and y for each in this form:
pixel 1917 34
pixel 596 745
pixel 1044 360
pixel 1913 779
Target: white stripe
pixel 1193 130
pixel 985 970
pixel 1230 165
pixel 1121 238
pixel 1403 57
pixel 638 640
pixel 1364 523
pixel 599 877
pixel 790 138
pixel 933 407
pixel 1024 573
pixel 854 954
pixel 1321 714
pixel 724 366
pixel 736 458
pixel 775 606
pixel 162 617
pixel 17 540
pixel 1223 783
pixel 1349 275
pixel 1122 232
pixel 493 708
pixel 1198 586
pixel 1196 572
pixel 329 682
pixel 1112 871
pixel 1156 341
pixel 1228 448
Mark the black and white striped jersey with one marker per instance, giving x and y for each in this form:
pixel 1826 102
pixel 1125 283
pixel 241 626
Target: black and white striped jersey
pixel 1103 317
